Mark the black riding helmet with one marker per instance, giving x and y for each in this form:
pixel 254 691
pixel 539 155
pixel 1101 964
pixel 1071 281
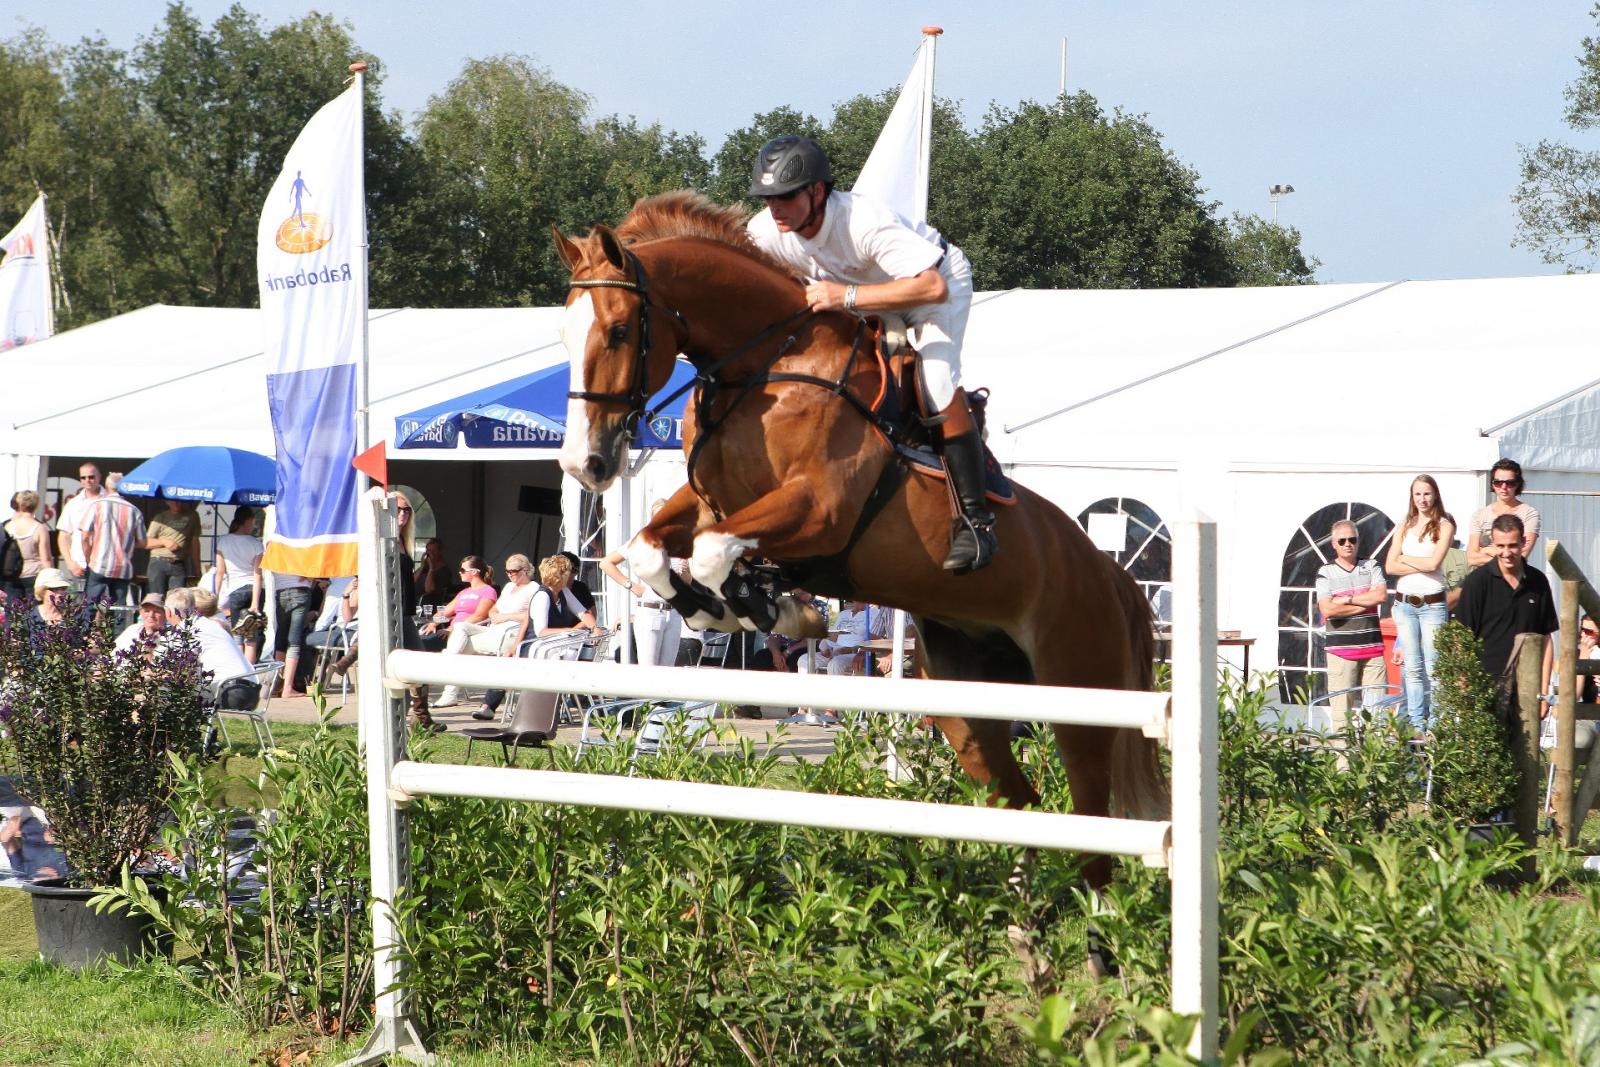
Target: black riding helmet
pixel 785 164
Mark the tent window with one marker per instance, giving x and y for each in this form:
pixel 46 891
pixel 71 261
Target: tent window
pixel 1301 659
pixel 1134 535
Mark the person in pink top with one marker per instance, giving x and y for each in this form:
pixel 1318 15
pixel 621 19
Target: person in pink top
pixel 473 603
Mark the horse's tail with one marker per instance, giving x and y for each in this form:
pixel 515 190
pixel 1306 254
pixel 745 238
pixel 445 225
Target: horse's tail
pixel 1138 784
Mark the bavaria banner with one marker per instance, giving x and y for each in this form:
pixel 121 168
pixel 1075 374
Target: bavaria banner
pixel 25 280
pixel 311 262
pixel 896 171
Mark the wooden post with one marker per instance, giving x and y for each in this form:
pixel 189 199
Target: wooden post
pixel 1566 716
pixel 1530 667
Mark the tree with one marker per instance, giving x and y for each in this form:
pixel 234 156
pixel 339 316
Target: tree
pixel 1264 253
pixel 1558 199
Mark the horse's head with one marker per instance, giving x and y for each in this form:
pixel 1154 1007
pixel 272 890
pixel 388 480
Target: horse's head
pixel 622 345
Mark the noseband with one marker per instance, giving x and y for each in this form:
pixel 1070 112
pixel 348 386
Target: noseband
pixel 639 386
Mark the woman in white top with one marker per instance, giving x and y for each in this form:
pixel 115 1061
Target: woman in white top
pixel 1416 561
pixel 501 629
pixel 238 573
pixel 657 627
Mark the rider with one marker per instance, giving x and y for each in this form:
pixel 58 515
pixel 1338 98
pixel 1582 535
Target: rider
pixel 864 257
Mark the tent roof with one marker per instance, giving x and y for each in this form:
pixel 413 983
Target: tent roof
pixel 1245 376
pixel 1345 376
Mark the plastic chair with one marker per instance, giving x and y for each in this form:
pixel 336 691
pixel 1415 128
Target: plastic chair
pixel 714 649
pixel 691 721
pixel 329 653
pixel 266 676
pixel 532 724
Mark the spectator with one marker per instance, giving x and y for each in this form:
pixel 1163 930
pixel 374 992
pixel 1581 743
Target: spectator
pixel 1349 591
pixel 111 531
pixel 32 538
pixel 471 605
pixel 841 654
pixel 1506 481
pixel 1416 558
pixel 28 850
pixel 174 547
pixel 417 713
pixel 580 588
pixel 656 626
pixel 1588 640
pixel 238 569
pixel 69 530
pixel 438 586
pixel 501 629
pixel 1505 600
pixel 349 604
pixel 152 622
pixel 230 684
pixel 327 627
pixel 294 594
pixel 51 588
pixel 552 609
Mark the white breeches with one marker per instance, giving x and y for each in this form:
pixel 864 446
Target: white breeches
pixel 655 636
pixel 476 639
pixel 937 330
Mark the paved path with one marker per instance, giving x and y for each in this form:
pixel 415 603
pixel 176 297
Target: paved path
pixel 811 743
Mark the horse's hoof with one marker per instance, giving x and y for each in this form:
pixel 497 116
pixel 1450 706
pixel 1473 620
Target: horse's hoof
pixel 1037 973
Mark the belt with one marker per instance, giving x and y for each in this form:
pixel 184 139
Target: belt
pixel 655 605
pixel 1417 601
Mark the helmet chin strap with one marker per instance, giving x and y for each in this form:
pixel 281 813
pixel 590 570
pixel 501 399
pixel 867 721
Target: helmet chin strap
pixel 812 201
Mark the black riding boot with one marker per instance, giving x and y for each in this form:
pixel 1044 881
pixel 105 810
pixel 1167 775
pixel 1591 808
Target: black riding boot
pixel 972 541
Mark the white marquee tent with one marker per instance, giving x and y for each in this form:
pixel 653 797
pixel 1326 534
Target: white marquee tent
pixel 1261 407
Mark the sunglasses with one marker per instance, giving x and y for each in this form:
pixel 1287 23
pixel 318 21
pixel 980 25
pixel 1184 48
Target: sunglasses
pixel 470 570
pixel 1504 483
pixel 1590 631
pixel 88 477
pixel 403 509
pixel 1347 540
pixel 516 570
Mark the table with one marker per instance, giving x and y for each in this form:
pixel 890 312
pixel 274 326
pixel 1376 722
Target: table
pixel 1163 637
pixel 1239 642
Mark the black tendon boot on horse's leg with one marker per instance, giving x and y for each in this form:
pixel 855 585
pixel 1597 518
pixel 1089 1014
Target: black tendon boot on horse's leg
pixel 972 541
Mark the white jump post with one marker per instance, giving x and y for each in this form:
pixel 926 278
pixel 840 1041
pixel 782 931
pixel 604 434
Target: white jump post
pixel 1186 845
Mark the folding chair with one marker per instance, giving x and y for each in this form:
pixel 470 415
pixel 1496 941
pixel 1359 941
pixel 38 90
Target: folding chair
pixel 532 724
pixel 714 649
pixel 692 719
pixel 328 654
pixel 567 645
pixel 266 676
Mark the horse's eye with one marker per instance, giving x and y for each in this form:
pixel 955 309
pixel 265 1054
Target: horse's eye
pixel 618 334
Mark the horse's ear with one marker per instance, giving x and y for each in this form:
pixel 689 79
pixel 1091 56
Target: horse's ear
pixel 611 247
pixel 567 250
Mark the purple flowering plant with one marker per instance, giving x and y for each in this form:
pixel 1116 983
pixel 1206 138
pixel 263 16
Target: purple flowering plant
pixel 88 730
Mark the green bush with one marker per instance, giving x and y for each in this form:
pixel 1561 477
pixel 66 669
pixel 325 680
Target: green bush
pixel 1474 775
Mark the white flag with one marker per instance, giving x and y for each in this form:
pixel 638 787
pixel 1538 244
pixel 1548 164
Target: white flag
pixel 896 173
pixel 311 265
pixel 25 280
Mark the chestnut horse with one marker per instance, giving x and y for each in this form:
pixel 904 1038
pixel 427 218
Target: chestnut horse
pixel 781 468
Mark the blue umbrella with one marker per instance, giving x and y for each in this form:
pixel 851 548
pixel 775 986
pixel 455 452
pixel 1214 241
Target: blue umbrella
pixel 528 412
pixel 205 472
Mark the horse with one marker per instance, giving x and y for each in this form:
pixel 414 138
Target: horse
pixel 783 467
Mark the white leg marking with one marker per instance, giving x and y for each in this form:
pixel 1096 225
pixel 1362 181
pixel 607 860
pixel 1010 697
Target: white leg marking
pixel 575 326
pixel 714 556
pixel 650 565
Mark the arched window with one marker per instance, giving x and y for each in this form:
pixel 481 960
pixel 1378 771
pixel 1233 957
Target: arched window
pixel 1302 663
pixel 1134 535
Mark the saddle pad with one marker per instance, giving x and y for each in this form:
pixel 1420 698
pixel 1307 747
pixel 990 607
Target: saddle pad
pixel 996 486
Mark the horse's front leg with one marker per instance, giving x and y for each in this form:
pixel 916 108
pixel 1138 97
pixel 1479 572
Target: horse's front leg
pixel 776 526
pixel 667 536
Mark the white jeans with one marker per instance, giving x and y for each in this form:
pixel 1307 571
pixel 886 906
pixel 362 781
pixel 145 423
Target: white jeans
pixel 476 639
pixel 655 636
pixel 938 330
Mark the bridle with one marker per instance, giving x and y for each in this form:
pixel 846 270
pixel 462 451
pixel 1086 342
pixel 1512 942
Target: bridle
pixel 639 384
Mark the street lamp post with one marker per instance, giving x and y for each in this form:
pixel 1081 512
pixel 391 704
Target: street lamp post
pixel 1276 193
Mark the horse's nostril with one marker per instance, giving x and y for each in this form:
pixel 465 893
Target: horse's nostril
pixel 594 467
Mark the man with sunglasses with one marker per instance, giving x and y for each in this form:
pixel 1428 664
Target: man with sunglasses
pixel 860 256
pixel 1349 591
pixel 69 530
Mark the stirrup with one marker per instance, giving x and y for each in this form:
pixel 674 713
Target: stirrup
pixel 972 545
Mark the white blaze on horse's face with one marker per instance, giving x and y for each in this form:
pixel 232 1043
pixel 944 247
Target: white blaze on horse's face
pixel 579 456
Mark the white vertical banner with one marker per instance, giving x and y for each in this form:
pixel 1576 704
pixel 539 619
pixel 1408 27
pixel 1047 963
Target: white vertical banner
pixel 311 265
pixel 896 172
pixel 25 280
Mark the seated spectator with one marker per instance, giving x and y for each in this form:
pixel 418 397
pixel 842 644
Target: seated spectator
pixel 148 629
pixel 553 609
pixel 501 630
pixel 28 850
pixel 842 653
pixel 220 657
pixel 436 585
pixel 1588 640
pixel 349 605
pixel 580 589
pixel 328 630
pixel 471 605
pixel 52 589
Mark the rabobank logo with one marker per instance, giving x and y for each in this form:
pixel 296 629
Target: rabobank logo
pixel 21 248
pixel 303 231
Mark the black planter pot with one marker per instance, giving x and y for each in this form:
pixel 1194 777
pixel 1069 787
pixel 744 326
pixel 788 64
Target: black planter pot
pixel 72 934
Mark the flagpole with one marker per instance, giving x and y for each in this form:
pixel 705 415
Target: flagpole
pixel 49 268
pixel 931 35
pixel 363 388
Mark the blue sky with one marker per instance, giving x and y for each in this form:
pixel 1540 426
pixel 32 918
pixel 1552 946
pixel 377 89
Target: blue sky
pixel 1396 122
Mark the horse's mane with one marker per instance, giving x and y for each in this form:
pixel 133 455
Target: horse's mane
pixel 683 213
